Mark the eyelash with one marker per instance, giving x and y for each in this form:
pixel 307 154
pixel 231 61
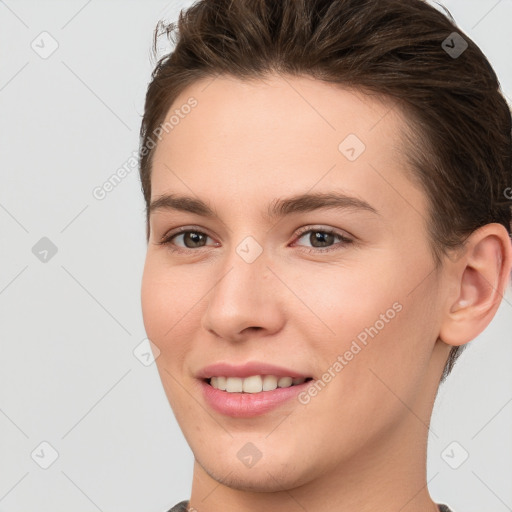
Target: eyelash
pixel 343 240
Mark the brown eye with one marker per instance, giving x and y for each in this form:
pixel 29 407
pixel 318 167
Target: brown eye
pixel 193 239
pixel 185 239
pixel 323 239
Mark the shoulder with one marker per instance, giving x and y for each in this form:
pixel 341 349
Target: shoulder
pixel 181 507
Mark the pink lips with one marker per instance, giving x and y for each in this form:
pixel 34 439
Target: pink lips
pixel 246 405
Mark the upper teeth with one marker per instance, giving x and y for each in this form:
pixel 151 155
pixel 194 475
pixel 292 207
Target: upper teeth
pixel 254 384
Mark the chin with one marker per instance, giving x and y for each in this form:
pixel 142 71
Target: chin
pixel 263 477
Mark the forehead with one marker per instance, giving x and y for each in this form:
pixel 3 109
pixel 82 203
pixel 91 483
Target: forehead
pixel 278 111
pixel 278 135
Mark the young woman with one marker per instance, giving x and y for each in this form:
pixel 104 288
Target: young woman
pixel 328 225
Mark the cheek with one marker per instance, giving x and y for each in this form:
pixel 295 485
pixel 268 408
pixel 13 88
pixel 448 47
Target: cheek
pixel 341 301
pixel 166 312
pixel 398 339
pixel 373 319
pixel 167 299
pixel 172 300
pixel 154 297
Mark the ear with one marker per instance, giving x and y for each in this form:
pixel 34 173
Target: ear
pixel 479 276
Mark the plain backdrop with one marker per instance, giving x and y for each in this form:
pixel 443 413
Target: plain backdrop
pixel 76 393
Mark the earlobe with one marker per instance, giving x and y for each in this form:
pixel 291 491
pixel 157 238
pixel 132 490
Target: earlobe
pixel 481 276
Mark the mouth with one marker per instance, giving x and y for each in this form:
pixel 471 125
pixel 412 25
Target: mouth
pixel 254 383
pixel 252 396
pixel 252 388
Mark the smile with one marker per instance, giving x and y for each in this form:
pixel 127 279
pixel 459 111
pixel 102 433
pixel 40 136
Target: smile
pixel 239 403
pixel 254 383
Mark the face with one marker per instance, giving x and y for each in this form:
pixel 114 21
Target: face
pixel 338 287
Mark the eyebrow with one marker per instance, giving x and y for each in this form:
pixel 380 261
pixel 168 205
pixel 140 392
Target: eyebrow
pixel 277 208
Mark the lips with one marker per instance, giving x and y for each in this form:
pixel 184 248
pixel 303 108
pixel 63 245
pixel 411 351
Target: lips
pixel 247 370
pixel 250 405
pixel 238 403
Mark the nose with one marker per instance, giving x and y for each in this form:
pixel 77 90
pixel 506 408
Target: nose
pixel 245 300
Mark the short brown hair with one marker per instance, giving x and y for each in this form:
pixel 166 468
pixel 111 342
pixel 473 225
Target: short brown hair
pixel 458 141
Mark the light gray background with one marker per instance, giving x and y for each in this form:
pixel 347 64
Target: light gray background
pixel 69 326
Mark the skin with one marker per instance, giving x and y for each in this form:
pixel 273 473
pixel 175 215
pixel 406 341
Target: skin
pixel 361 443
